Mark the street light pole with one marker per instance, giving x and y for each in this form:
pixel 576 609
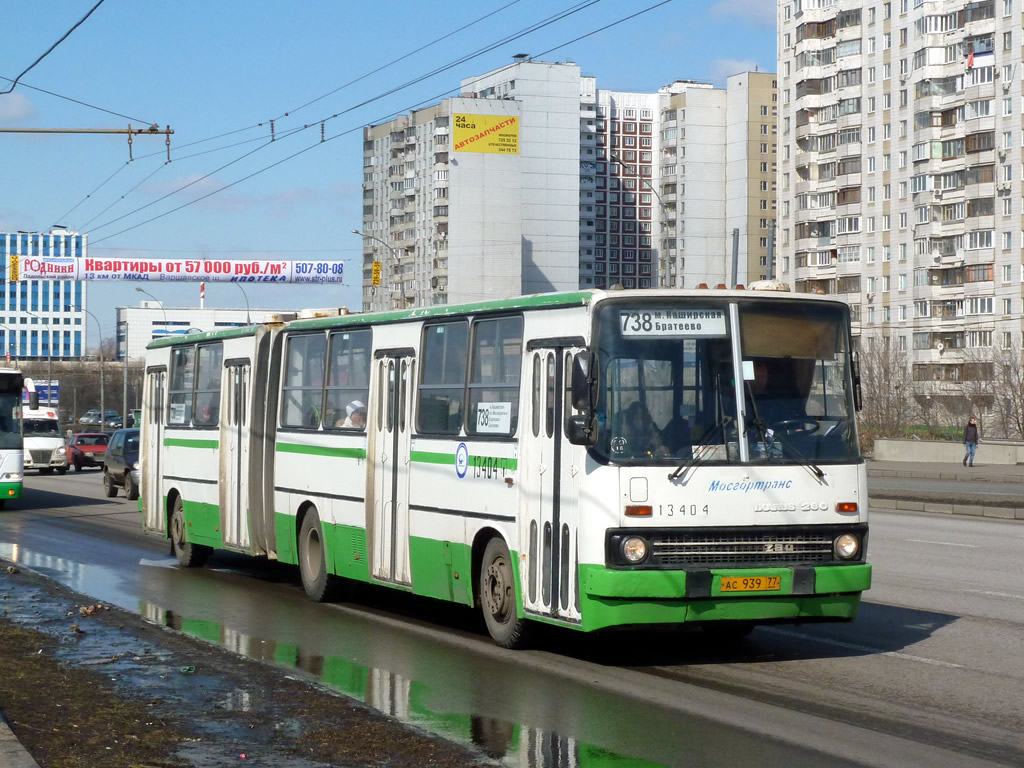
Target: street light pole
pixel 154 298
pixel 248 319
pixel 99 335
pixel 49 359
pixel 661 209
pixel 398 263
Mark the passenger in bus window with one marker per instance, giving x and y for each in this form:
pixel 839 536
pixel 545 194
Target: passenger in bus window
pixel 355 415
pixel 638 435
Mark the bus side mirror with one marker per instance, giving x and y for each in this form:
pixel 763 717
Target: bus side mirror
pixel 582 430
pixel 858 400
pixel 585 382
pixel 33 400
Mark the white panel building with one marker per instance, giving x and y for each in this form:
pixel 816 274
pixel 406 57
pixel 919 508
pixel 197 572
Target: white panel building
pixel 605 188
pixel 900 176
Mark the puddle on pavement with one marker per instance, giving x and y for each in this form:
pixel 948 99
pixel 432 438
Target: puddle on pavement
pixel 99 581
pixel 408 700
pixel 403 697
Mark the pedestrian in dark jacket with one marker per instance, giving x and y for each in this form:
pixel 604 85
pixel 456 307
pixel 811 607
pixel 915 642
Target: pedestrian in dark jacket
pixel 971 440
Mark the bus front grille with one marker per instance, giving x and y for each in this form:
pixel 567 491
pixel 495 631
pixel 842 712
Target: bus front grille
pixel 762 549
pixel 754 546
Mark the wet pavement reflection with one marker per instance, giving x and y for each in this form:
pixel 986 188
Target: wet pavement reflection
pixel 528 716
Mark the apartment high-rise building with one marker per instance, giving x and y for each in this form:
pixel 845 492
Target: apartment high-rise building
pixel 899 180
pixel 41 319
pixel 536 180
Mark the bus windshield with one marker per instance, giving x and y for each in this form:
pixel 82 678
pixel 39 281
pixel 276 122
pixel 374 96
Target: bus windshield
pixel 668 384
pixel 10 419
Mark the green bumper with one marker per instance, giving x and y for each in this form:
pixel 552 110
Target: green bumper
pixel 616 598
pixel 10 490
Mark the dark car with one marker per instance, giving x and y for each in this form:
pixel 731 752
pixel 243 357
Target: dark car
pixel 87 449
pixel 121 465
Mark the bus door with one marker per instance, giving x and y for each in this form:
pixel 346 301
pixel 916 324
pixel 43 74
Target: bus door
pixel 391 417
pixel 552 472
pixel 234 454
pixel 152 449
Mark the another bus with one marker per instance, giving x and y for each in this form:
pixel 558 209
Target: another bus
pixel 589 460
pixel 11 447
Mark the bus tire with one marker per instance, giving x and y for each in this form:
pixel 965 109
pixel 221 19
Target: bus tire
pixel 498 597
pixel 320 585
pixel 189 555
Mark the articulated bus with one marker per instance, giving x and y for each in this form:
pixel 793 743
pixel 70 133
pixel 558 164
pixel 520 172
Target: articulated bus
pixel 12 457
pixel 591 460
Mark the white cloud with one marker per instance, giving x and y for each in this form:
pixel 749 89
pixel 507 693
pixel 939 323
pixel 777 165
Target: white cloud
pixel 758 11
pixel 15 107
pixel 722 68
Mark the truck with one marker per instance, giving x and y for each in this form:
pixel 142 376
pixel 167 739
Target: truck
pixel 45 447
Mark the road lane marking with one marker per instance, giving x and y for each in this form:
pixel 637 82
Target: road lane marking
pixel 943 543
pixel 863 648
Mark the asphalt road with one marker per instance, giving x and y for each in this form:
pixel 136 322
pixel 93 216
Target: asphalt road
pixel 930 674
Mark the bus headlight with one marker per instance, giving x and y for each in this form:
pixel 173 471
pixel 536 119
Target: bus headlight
pixel 13 477
pixel 634 549
pixel 846 546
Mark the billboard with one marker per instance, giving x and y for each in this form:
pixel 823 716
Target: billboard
pixel 493 134
pixel 178 270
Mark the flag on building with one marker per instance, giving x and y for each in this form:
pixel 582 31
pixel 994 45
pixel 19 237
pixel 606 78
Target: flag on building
pixel 202 291
pixel 970 56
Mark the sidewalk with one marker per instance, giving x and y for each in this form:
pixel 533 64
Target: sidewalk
pixel 928 470
pixel 12 754
pixel 974 479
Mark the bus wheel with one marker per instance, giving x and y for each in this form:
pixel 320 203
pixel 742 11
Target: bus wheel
pixel 498 597
pixel 320 585
pixel 188 554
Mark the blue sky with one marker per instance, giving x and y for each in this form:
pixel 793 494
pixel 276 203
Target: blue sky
pixel 207 69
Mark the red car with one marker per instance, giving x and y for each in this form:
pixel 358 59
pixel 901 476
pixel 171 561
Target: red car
pixel 87 449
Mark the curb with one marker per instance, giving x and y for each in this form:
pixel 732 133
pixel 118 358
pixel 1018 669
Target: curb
pixel 934 507
pixel 12 753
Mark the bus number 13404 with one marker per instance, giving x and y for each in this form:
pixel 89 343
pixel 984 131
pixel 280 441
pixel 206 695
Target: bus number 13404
pixel 671 510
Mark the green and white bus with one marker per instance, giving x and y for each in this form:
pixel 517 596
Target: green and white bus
pixel 12 457
pixel 590 459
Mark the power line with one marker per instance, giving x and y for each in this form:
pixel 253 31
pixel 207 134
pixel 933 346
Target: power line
pixel 400 58
pixel 120 168
pixel 291 112
pixel 327 139
pixel 479 52
pixel 49 50
pixel 76 101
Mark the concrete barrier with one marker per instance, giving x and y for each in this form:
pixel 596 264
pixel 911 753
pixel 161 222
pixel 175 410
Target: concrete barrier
pixel 990 452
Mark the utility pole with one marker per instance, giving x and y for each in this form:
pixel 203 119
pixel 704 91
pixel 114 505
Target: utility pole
pixel 152 130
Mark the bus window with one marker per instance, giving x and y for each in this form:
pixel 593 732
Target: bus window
pixel 303 391
pixel 494 383
pixel 208 372
pixel 443 378
pixel 348 379
pixel 536 394
pixel 182 379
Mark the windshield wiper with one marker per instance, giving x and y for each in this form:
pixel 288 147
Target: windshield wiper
pixel 698 449
pixel 789 451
